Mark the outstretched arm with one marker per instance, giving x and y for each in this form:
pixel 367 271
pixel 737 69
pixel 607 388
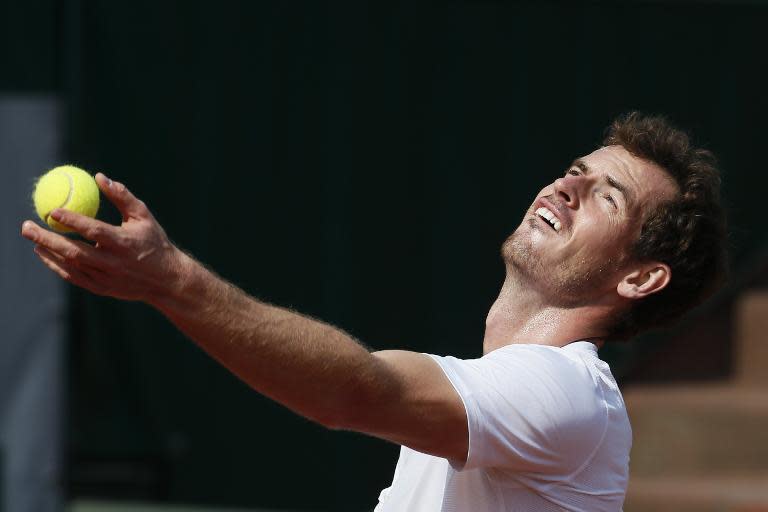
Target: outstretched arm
pixel 313 368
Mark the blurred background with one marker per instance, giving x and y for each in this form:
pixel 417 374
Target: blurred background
pixel 361 162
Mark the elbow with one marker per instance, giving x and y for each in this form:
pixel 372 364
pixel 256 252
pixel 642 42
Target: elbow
pixel 354 409
pixel 359 401
pixel 332 420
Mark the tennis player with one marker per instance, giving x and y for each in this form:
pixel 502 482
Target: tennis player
pixel 629 238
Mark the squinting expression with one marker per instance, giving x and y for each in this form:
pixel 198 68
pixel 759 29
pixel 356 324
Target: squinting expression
pixel 575 238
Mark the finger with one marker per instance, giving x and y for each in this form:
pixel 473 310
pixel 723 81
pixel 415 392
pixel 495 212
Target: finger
pixel 94 273
pixel 67 272
pixel 122 198
pixel 89 228
pixel 70 250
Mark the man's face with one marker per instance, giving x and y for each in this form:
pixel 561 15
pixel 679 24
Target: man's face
pixel 574 241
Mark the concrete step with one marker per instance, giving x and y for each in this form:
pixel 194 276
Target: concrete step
pixel 698 494
pixel 751 342
pixel 698 430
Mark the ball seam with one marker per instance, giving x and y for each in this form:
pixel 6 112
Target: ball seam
pixel 69 194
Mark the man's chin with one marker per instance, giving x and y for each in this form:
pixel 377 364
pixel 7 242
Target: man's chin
pixel 525 246
pixel 517 250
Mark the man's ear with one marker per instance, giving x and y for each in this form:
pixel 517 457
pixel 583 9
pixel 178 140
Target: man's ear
pixel 645 280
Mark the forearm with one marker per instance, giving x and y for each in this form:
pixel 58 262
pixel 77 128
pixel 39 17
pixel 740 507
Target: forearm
pixel 311 367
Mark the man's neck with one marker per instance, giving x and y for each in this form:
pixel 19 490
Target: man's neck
pixel 520 315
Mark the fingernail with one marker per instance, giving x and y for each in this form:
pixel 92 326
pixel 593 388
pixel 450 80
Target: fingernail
pixel 109 181
pixel 56 214
pixel 27 230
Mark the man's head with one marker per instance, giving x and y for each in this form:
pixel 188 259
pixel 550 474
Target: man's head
pixel 637 229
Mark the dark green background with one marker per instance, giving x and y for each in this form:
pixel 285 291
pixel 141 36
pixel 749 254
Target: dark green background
pixel 359 161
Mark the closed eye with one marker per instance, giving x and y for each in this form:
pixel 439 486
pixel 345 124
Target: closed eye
pixel 610 199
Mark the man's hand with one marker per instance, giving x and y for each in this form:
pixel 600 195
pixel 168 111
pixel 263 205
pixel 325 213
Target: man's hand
pixel 133 261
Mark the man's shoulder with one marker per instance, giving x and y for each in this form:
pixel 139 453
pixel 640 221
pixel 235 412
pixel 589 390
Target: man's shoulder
pixel 563 380
pixel 564 361
pixel 553 375
pixel 550 395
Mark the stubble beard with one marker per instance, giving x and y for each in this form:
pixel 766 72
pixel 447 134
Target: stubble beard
pixel 565 284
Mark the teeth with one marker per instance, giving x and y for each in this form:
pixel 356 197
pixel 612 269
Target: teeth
pixel 546 213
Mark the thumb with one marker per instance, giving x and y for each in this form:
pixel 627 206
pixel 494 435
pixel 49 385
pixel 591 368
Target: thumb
pixel 128 205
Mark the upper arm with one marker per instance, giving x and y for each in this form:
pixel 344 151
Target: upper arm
pixel 410 401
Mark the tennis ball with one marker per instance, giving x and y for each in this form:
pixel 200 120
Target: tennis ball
pixel 65 187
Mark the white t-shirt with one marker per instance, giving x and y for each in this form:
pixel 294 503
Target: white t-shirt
pixel 548 431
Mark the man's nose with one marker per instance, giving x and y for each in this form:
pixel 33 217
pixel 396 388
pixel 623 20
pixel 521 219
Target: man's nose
pixel 566 190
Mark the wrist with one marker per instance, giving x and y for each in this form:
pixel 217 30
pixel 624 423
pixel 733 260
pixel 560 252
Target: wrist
pixel 176 286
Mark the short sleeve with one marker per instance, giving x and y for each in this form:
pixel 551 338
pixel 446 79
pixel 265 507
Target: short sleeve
pixel 529 408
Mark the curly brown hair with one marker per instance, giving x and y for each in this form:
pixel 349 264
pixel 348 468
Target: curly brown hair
pixel 688 233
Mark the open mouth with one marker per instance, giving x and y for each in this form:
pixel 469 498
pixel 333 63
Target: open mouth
pixel 550 218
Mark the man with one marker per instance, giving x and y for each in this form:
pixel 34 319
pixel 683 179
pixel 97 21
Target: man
pixel 629 238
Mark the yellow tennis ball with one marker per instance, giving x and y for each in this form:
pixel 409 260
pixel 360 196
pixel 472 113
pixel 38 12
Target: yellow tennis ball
pixel 67 187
